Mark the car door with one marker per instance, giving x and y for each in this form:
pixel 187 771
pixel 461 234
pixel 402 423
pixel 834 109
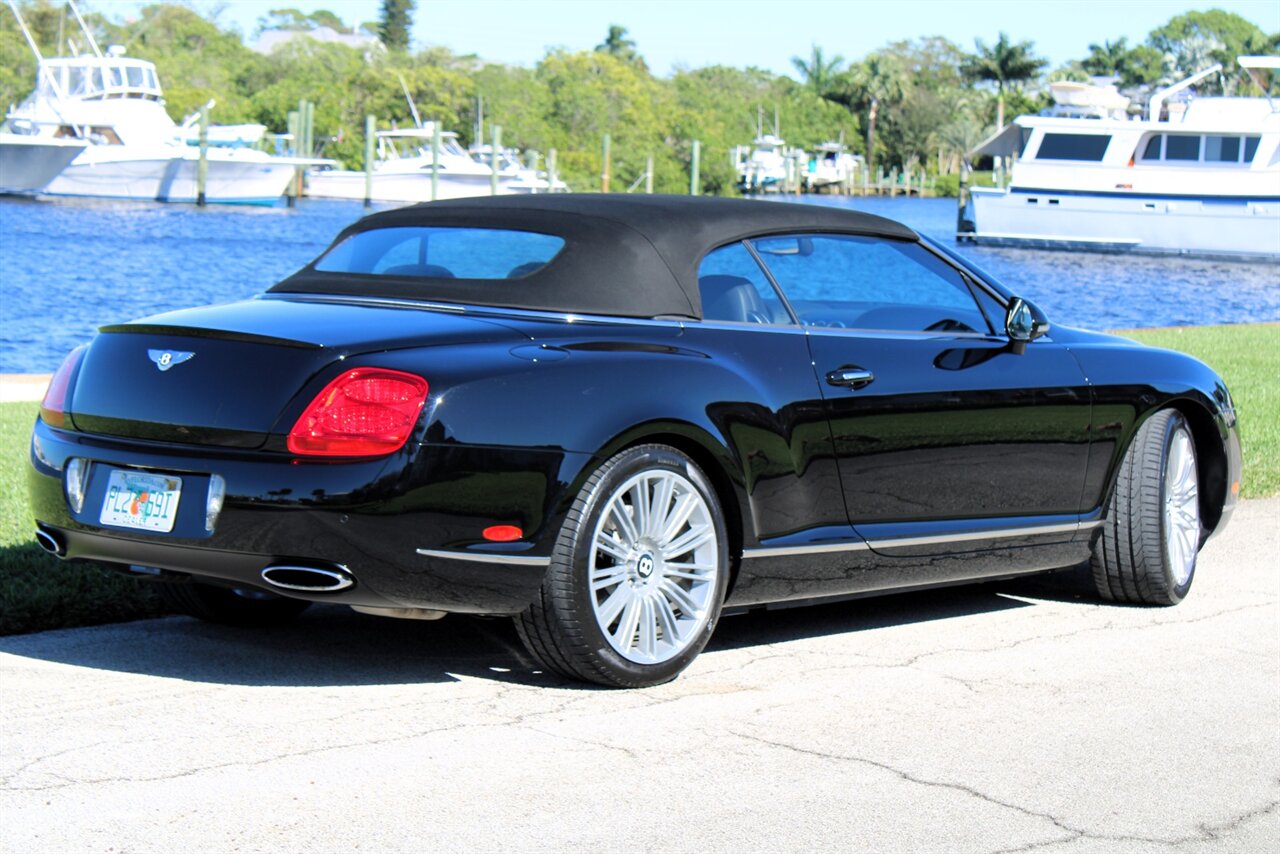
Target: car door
pixel 943 432
pixel 776 421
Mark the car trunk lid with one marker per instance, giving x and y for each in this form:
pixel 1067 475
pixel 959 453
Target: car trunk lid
pixel 222 375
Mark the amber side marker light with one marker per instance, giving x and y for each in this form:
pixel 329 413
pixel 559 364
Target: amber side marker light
pixel 53 409
pixel 502 533
pixel 363 412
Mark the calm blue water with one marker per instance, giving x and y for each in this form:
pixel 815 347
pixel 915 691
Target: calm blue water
pixel 69 266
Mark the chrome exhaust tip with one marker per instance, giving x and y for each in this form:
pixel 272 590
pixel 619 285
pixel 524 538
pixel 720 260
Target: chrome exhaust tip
pixel 308 579
pixel 50 542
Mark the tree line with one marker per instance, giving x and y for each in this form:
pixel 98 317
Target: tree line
pixel 918 104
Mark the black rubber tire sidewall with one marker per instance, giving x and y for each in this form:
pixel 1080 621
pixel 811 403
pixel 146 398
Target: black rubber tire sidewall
pixel 573 555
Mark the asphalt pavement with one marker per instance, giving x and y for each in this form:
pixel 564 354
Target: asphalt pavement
pixel 1012 716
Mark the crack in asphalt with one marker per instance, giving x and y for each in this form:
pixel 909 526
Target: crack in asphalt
pixel 1205 832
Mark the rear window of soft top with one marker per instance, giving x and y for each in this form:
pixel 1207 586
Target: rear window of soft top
pixel 441 253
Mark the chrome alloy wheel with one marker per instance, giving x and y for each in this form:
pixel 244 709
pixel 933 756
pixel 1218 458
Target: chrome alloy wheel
pixel 1181 508
pixel 653 567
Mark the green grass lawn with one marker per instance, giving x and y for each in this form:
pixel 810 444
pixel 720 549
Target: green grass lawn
pixel 38 592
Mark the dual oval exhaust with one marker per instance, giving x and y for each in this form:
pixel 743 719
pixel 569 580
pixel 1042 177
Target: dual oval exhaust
pixel 308 579
pixel 50 542
pixel 295 577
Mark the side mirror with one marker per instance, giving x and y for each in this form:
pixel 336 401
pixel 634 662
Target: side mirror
pixel 1023 324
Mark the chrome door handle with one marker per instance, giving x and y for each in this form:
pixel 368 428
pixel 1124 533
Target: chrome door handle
pixel 851 377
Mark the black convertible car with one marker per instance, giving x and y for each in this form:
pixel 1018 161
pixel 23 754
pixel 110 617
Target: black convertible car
pixel 612 418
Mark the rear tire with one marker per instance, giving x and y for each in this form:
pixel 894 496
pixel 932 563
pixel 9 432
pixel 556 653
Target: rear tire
pixel 232 607
pixel 637 576
pixel 1152 531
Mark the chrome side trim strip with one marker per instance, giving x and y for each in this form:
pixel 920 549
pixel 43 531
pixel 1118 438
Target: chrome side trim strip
pixel 784 551
pixel 938 539
pixel 994 534
pixel 486 557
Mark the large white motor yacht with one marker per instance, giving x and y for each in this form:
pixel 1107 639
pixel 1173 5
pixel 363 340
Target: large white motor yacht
pixel 136 151
pixel 1193 176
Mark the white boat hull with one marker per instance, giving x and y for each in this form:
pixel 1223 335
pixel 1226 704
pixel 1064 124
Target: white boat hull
pixel 231 179
pixel 1207 227
pixel 27 164
pixel 400 187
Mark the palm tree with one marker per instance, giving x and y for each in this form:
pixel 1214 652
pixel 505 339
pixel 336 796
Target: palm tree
pixel 1107 58
pixel 818 73
pixel 877 80
pixel 617 44
pixel 1003 63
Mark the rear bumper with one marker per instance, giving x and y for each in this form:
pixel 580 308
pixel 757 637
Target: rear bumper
pixel 406 528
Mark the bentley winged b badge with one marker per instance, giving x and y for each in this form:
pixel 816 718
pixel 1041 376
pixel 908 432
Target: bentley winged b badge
pixel 166 359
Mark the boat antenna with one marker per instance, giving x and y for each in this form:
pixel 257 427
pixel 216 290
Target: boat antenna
pixel 777 129
pixel 479 119
pixel 413 108
pixel 93 43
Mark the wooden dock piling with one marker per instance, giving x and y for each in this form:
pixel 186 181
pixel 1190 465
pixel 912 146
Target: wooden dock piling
pixel 202 167
pixel 291 189
pixel 435 160
pixel 695 179
pixel 493 160
pixel 604 174
pixel 370 128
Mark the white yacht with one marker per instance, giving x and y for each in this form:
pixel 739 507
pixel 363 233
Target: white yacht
pixel 832 165
pixel 135 151
pixel 514 176
pixel 28 164
pixel 402 171
pixel 763 165
pixel 1192 176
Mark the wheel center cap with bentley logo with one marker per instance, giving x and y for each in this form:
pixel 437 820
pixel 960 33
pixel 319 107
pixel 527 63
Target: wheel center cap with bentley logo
pixel 166 359
pixel 644 566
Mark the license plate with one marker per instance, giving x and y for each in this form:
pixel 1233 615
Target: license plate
pixel 148 502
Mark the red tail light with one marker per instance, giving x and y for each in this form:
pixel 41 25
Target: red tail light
pixel 53 409
pixel 364 412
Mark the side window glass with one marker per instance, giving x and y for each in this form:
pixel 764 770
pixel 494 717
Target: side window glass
pixel 735 289
pixel 854 282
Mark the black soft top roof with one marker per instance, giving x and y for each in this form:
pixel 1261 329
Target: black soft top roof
pixel 635 256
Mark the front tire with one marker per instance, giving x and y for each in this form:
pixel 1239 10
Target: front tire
pixel 233 607
pixel 1152 531
pixel 638 574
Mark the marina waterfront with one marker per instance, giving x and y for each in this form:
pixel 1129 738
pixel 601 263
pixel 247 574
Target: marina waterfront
pixel 73 265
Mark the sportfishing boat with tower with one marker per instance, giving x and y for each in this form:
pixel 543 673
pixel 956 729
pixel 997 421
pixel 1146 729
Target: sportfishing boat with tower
pixel 763 165
pixel 832 165
pixel 113 105
pixel 1191 176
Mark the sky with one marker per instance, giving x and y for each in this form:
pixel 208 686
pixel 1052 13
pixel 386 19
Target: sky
pixel 764 33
